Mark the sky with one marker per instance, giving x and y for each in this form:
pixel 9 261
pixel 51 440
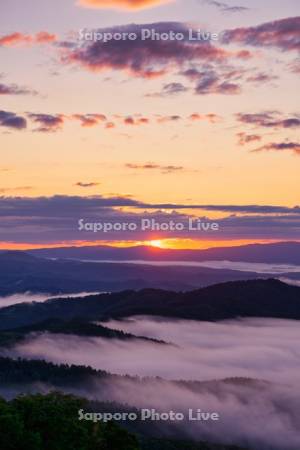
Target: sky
pixel 126 129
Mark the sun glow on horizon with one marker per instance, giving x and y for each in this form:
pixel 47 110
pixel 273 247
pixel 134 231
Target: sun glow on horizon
pixel 163 244
pixel 156 243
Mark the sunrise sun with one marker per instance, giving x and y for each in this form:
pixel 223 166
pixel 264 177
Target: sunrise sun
pixel 156 243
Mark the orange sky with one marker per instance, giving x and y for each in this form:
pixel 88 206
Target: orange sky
pixel 219 128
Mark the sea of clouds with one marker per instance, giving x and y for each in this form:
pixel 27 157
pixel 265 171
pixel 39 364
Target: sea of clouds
pixel 262 414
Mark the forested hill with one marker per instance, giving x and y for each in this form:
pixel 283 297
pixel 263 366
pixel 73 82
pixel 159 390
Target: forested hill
pixel 75 327
pixel 254 298
pixel 50 422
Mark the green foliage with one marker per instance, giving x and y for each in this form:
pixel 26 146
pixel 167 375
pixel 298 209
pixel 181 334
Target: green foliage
pixel 50 422
pixel 118 438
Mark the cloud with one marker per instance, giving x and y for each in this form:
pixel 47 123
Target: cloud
pixel 261 77
pixel 227 361
pixel 110 125
pixel 252 209
pixel 123 4
pixel 68 206
pixel 129 120
pixel 14 89
pixel 12 120
pixel 245 138
pixel 16 39
pixel 209 80
pixel 195 355
pixel 225 78
pixel 269 120
pixel 170 89
pixel 174 88
pixel 90 120
pixel 151 58
pixel 28 297
pixel 295 66
pixel 47 122
pixel 224 7
pixel 86 185
pixel 192 74
pixel 15 189
pixel 281 34
pixel 153 166
pixel 142 58
pixel 213 118
pixel 210 83
pixel 279 147
pixel 173 118
pixel 55 219
pixel 13 39
pixel 43 37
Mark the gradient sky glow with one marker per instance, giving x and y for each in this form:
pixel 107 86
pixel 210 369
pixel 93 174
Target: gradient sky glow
pixel 87 123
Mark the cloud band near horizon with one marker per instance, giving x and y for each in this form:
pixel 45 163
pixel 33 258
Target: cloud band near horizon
pixel 55 219
pixel 122 4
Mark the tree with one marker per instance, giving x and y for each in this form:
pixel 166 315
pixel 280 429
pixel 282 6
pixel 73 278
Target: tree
pixel 50 422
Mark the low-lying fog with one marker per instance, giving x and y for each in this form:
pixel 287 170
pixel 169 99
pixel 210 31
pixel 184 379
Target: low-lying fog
pixel 29 297
pixel 231 265
pixel 258 348
pixel 257 415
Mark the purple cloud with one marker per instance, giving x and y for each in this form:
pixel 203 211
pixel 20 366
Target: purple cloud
pixel 89 120
pixel 210 83
pixel 14 89
pixel 12 120
pixel 47 122
pixel 283 34
pixel 143 58
pixel 244 138
pixel 281 146
pixel 165 169
pixel 224 7
pixel 267 119
pixel 170 89
pixel 56 218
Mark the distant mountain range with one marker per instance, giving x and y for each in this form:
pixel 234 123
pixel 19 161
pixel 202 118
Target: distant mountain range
pixel 254 298
pixel 276 253
pixel 22 272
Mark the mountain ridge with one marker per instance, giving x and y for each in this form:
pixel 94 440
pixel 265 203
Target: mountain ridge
pixel 240 299
pixel 277 253
pixel 21 272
